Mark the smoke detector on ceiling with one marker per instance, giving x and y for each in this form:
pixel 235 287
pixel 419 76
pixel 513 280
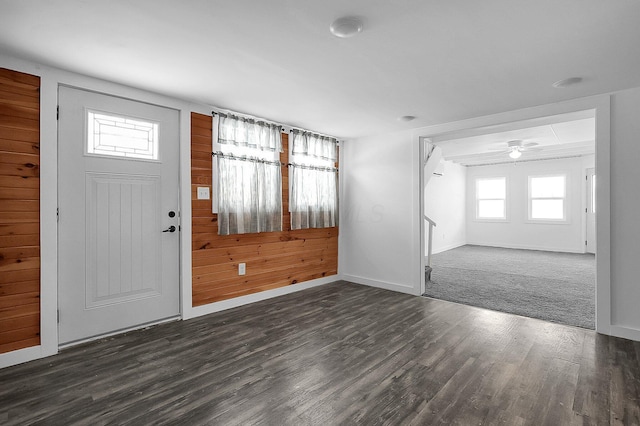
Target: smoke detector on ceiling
pixel 561 84
pixel 345 27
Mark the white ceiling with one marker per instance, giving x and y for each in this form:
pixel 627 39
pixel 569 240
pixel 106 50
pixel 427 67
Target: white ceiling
pixel 438 60
pixel 556 139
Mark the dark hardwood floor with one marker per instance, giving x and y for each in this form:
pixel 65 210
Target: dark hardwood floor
pixel 336 354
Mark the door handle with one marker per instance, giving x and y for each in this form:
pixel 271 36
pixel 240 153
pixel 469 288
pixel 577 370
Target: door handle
pixel 170 229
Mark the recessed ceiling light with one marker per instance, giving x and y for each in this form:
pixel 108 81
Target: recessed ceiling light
pixel 347 26
pixel 406 118
pixel 561 84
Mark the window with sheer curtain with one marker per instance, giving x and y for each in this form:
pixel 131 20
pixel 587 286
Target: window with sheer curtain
pixel 313 200
pixel 249 192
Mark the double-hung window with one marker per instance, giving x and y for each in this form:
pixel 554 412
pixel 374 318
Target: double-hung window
pixel 313 199
pixel 491 194
pixel 249 176
pixel 547 198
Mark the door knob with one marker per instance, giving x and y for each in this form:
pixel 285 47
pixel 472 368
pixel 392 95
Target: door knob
pixel 170 229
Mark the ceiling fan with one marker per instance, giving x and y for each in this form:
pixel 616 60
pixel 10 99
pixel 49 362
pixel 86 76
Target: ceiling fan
pixel 516 147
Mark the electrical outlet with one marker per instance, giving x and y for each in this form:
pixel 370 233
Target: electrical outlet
pixel 242 268
pixel 203 193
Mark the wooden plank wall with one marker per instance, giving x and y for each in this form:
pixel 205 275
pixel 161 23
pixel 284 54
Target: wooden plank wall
pixel 273 259
pixel 19 210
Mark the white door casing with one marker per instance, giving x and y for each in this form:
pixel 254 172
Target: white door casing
pixel 591 213
pixel 117 268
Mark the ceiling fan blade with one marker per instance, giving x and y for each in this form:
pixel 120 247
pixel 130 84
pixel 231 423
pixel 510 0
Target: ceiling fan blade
pixel 527 145
pixel 532 150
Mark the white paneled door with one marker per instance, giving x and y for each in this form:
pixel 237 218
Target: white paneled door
pixel 118 223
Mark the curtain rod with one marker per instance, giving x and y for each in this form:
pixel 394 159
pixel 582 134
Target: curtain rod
pixel 298 130
pixel 245 158
pixel 304 166
pixel 248 117
pixel 282 126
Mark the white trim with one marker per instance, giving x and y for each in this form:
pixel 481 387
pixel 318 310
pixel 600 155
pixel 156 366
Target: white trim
pixel 23 355
pixel 48 214
pixel 341 212
pixel 424 261
pixel 382 284
pixel 256 297
pixel 527 247
pixel 601 105
pixel 625 332
pixel 417 223
pixel 449 247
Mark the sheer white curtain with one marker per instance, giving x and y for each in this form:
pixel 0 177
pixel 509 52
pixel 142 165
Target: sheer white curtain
pixel 249 188
pixel 314 146
pixel 244 132
pixel 314 181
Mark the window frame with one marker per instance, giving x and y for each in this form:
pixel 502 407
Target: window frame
pixel 477 200
pixel 86 137
pixel 565 200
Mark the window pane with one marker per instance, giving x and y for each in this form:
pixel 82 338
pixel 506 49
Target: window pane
pixel 491 209
pixel 491 188
pixel 547 187
pixel 547 209
pixel 120 136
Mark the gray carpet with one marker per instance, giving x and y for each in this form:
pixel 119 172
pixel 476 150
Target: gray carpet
pixel 557 287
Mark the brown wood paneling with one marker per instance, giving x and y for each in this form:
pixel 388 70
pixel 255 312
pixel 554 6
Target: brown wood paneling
pixel 19 210
pixel 273 259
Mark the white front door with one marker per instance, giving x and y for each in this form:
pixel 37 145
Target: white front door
pixel 118 214
pixel 591 211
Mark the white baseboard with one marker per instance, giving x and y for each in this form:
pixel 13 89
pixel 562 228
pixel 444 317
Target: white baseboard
pixel 448 247
pixel 625 332
pixel 525 247
pixel 23 355
pixel 256 297
pixel 401 288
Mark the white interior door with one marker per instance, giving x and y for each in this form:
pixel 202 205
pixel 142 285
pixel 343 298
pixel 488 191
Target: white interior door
pixel 591 211
pixel 118 222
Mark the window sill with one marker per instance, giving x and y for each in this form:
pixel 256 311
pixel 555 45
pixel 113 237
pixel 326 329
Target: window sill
pixel 548 222
pixel 481 220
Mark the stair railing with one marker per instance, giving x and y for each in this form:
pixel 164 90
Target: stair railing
pixel 432 224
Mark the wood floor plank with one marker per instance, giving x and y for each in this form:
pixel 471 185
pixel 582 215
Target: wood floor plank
pixel 335 354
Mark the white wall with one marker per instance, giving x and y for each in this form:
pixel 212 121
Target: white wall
pixel 379 229
pixel 518 231
pixel 625 211
pixel 445 204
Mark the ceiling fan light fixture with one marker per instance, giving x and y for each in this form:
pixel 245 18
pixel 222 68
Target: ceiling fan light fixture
pixel 515 154
pixel 347 26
